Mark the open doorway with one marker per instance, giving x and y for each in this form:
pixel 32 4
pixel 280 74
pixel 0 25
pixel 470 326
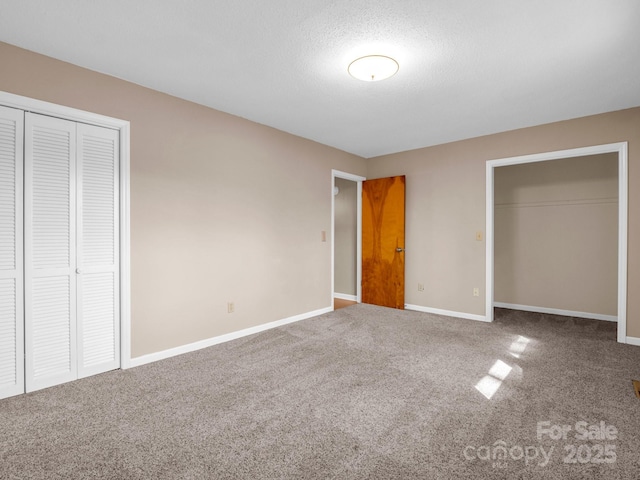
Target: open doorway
pixel 346 238
pixel 617 311
pixel 556 235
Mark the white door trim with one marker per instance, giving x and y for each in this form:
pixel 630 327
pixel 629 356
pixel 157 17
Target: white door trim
pixel 621 148
pixel 123 126
pixel 358 179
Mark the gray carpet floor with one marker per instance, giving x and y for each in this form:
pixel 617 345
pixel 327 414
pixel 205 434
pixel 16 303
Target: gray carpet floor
pixel 360 393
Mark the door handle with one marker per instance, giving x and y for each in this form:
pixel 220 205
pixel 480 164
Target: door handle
pixel 399 250
pixel 78 271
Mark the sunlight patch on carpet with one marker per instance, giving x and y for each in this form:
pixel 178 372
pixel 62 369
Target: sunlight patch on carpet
pixel 490 383
pixel 518 347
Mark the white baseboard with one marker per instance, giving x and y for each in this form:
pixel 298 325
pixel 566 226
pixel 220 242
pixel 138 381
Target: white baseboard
pixel 447 313
pixel 192 347
pixel 633 341
pixel 344 296
pixel 556 311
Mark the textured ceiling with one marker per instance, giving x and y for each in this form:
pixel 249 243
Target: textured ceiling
pixel 467 67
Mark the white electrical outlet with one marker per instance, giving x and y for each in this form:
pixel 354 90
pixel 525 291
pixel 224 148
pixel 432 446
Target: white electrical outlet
pixel 230 307
pixel 476 292
pixel 421 287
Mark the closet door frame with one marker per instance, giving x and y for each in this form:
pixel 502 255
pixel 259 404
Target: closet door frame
pixel 123 126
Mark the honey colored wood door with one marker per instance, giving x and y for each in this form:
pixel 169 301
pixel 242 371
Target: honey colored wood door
pixel 383 242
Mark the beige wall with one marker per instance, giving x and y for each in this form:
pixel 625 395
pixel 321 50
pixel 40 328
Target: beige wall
pixel 222 209
pixel 346 211
pixel 446 205
pixel 556 234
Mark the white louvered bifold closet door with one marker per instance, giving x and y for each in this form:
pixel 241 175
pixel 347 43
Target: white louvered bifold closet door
pixel 72 301
pixel 11 247
pixel 50 238
pixel 97 250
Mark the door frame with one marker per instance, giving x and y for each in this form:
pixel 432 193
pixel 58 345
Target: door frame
pixel 358 179
pixel 621 148
pixel 67 113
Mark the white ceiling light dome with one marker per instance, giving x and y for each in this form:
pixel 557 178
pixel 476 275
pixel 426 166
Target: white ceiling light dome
pixel 373 68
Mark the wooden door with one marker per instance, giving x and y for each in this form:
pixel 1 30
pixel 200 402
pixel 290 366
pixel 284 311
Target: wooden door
pixel 383 242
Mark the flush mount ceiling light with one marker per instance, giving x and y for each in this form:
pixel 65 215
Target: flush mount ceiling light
pixel 373 68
